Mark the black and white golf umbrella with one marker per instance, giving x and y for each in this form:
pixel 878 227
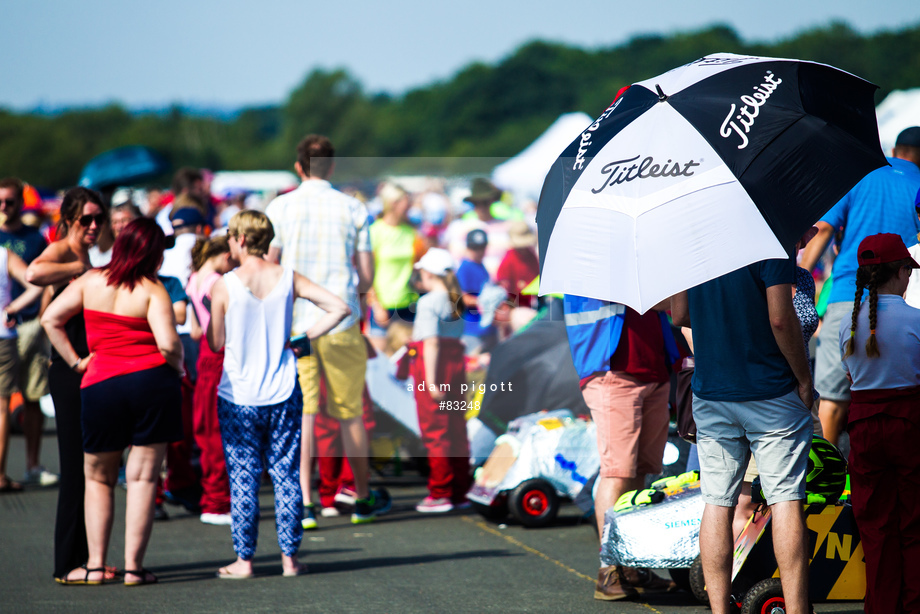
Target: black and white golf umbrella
pixel 700 171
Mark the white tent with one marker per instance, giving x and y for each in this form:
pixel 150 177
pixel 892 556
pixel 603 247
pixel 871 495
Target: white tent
pixel 523 174
pixel 899 110
pixel 253 181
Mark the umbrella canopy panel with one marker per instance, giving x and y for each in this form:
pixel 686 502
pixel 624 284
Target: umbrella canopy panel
pixel 623 208
pixel 701 171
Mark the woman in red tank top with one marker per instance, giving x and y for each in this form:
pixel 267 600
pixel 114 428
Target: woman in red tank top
pixel 130 389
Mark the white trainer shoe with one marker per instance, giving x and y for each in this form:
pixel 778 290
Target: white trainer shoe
pixel 41 476
pixel 217 519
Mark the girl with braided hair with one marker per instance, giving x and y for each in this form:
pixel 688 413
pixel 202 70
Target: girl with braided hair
pixel 881 354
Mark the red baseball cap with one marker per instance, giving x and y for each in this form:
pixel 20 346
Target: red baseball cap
pixel 883 248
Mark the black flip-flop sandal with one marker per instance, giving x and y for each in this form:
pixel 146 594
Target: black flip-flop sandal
pixel 11 486
pixel 141 573
pixel 85 581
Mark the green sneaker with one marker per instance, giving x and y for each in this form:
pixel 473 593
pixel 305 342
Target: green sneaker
pixel 309 517
pixel 366 510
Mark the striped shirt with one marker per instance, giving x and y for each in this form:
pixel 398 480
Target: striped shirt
pixel 318 230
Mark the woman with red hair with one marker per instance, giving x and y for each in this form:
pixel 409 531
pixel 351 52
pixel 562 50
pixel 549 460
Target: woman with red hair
pixel 130 389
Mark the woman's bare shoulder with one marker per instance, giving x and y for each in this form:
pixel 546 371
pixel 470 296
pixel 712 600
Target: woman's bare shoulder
pixel 58 251
pixel 93 278
pixel 152 287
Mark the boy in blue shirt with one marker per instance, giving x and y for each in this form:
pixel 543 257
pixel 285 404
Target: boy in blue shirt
pixel 472 275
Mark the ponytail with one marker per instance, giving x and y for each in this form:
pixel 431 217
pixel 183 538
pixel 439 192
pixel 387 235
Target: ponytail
pixel 857 304
pixel 453 290
pixel 872 342
pixel 206 248
pixel 870 276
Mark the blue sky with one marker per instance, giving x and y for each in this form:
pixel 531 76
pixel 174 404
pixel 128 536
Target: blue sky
pixel 211 52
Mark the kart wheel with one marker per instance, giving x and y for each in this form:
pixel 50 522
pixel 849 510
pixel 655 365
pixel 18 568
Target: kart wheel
pixel 681 577
pixel 697 583
pixel 534 503
pixel 496 512
pixel 765 597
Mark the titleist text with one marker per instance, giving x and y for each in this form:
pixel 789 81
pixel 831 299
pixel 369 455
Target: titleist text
pixel 619 172
pixel 749 112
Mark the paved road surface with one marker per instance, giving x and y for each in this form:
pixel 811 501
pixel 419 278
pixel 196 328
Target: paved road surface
pixel 404 563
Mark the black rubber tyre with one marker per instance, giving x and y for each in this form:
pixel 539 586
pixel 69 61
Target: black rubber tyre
pixel 681 577
pixel 764 597
pixel 534 503
pixel 697 583
pixel 497 512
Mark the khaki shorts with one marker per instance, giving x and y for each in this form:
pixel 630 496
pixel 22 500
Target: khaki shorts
pixel 778 433
pixel 34 354
pixel 632 423
pixel 343 359
pixel 751 472
pixel 9 366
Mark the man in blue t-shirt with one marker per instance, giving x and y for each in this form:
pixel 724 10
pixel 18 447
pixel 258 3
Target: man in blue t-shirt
pixel 752 393
pixel 32 344
pixel 473 276
pixel 882 202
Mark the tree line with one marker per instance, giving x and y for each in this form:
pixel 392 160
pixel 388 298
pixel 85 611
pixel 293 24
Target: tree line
pixel 482 111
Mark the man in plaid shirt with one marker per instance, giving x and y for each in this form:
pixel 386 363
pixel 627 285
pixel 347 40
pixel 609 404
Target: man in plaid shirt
pixel 324 235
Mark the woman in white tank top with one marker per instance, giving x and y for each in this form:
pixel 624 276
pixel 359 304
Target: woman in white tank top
pixel 259 402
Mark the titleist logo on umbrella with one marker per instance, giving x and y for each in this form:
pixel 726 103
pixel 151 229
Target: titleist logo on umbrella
pixel 586 136
pixel 647 169
pixel 749 112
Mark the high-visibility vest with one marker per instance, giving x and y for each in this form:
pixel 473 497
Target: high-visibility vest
pixel 594 328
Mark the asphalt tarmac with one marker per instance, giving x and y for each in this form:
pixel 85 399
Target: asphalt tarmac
pixel 405 562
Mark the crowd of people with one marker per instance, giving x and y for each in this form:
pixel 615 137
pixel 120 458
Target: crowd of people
pixel 205 328
pixel 196 328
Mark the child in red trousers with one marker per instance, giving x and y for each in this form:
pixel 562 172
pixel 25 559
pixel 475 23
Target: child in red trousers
pixel 210 260
pixel 881 354
pixel 336 480
pixel 435 359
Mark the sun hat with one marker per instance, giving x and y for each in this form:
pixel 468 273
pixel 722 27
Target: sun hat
pixel 122 196
pixel 476 239
pixel 883 248
pixel 488 302
pixel 436 261
pixel 520 234
pixel 483 190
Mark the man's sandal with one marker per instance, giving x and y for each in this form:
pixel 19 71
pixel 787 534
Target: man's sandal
pixel 146 577
pixel 85 581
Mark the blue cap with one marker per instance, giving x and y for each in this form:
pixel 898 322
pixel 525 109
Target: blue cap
pixel 188 216
pixel 477 238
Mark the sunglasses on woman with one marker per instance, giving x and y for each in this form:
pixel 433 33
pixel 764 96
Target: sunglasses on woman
pixel 86 220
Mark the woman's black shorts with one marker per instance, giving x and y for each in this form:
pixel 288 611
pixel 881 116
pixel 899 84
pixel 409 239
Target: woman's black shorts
pixel 140 408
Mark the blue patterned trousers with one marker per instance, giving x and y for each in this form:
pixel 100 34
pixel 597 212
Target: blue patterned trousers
pixel 249 434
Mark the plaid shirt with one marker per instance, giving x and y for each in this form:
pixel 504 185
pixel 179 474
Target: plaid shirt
pixel 318 230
